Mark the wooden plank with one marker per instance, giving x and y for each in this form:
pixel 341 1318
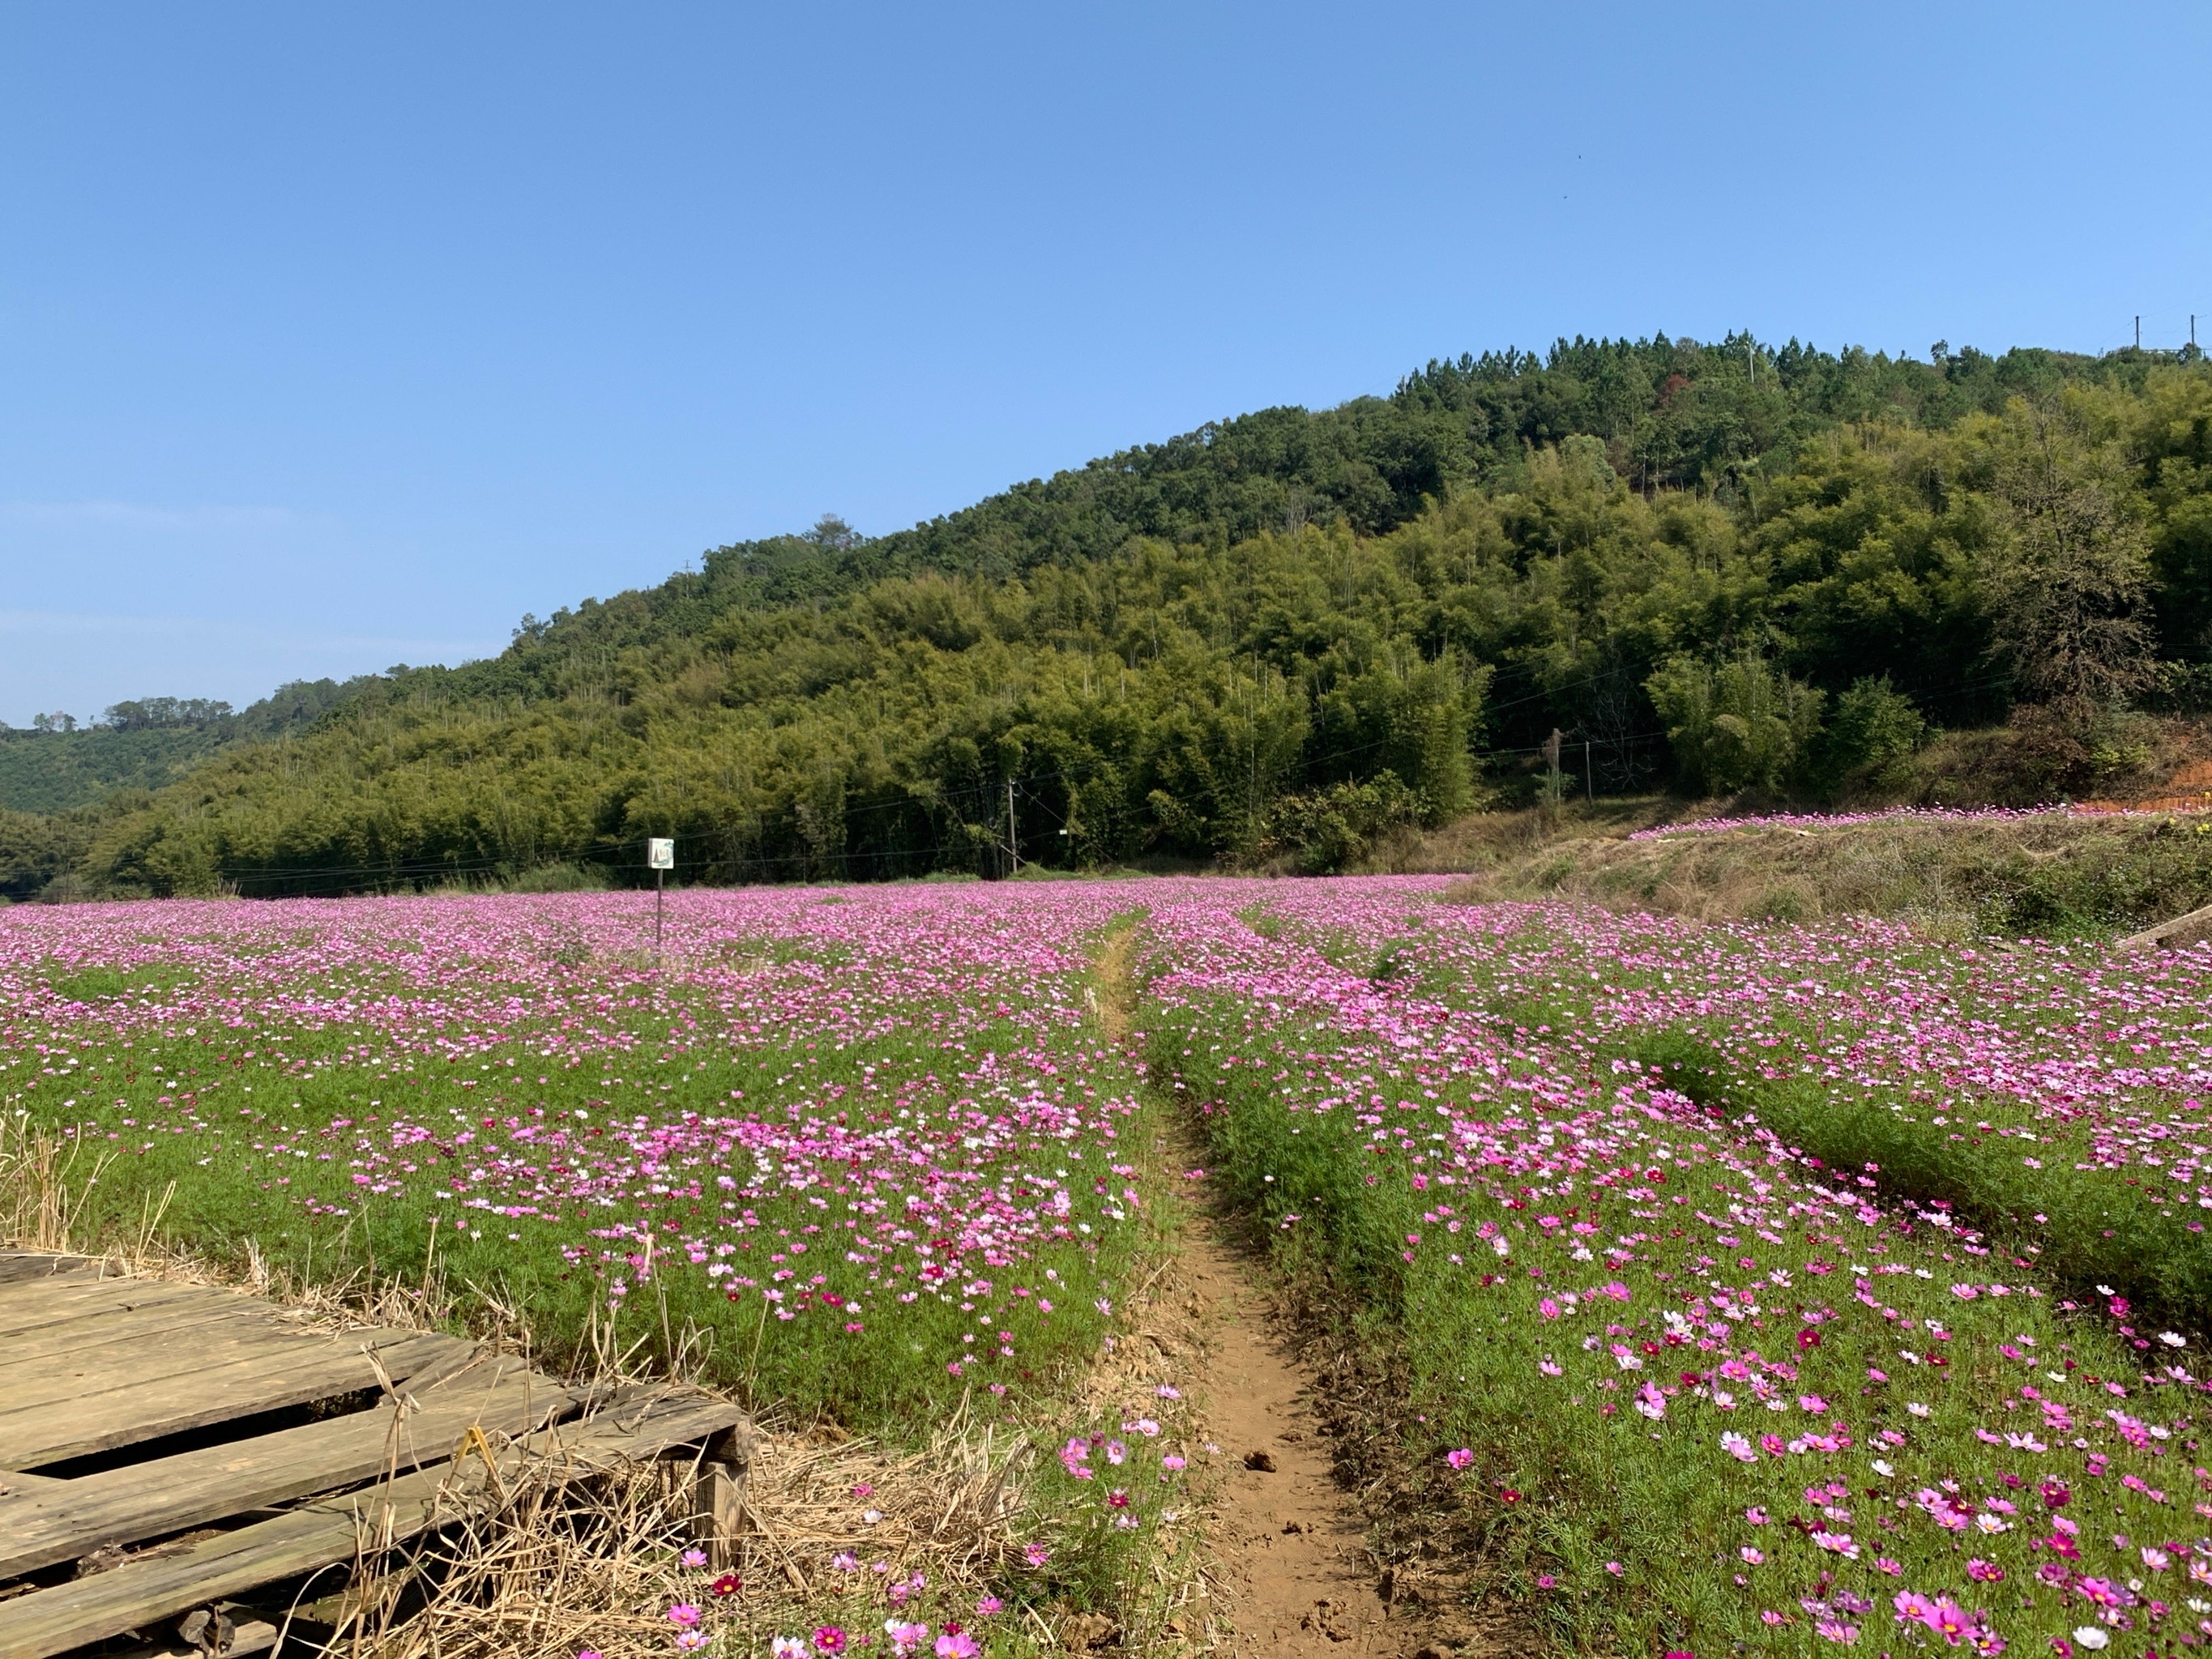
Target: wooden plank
pixel 30 1306
pixel 98 1421
pixel 2182 931
pixel 129 1363
pixel 66 1520
pixel 139 1593
pixel 25 1351
pixel 37 1264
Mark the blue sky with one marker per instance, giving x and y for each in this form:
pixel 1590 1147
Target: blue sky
pixel 332 336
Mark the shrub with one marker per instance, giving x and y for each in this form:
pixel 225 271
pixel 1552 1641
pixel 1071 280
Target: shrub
pixel 1875 730
pixel 1737 724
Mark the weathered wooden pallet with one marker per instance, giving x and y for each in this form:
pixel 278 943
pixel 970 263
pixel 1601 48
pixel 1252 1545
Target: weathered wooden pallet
pixel 165 1449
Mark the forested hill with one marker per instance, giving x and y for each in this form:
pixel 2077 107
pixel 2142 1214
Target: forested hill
pixel 1673 415
pixel 1283 634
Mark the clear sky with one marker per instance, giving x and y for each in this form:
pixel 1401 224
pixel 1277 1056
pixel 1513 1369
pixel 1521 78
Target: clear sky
pixel 333 336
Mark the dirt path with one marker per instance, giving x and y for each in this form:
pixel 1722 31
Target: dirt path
pixel 1296 1573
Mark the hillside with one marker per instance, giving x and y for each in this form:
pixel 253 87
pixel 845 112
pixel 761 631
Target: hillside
pixel 1287 636
pixel 61 771
pixel 143 744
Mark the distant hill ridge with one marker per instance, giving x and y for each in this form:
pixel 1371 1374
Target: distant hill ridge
pixel 1280 635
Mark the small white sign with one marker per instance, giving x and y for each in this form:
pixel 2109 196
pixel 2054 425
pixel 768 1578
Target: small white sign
pixel 659 854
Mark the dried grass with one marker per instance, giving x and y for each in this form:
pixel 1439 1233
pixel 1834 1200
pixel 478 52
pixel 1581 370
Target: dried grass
pixel 46 1182
pixel 597 1565
pixel 1958 880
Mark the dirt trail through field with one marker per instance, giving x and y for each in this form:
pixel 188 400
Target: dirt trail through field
pixel 1295 1566
pixel 1296 1575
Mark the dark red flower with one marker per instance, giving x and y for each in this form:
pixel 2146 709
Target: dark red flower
pixel 728 1584
pixel 1807 1337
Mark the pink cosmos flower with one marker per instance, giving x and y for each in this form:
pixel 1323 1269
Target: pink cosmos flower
pixel 682 1615
pixel 829 1638
pixel 1461 1457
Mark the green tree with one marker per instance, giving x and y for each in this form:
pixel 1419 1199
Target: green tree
pixel 2067 585
pixel 1740 724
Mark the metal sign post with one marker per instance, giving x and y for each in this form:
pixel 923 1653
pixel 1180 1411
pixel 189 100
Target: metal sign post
pixel 660 858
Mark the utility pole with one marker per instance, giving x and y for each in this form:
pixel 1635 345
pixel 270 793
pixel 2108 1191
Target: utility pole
pixel 2138 333
pixel 1013 843
pixel 1589 784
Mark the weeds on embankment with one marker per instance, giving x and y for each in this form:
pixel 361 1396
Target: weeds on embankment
pixel 2049 873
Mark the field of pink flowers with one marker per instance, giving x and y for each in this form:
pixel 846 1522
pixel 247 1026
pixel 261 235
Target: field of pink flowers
pixel 1693 1375
pixel 866 1145
pixel 1699 1390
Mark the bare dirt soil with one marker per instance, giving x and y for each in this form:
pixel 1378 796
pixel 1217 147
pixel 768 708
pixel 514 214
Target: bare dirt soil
pixel 1296 1575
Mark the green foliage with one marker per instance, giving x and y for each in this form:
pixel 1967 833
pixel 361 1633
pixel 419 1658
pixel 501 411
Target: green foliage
pixel 1873 730
pixel 1325 830
pixel 143 744
pixel 1217 647
pixel 37 851
pixel 1737 724
pixel 59 771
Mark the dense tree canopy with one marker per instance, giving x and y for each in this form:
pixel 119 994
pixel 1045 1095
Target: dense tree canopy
pixel 1281 634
